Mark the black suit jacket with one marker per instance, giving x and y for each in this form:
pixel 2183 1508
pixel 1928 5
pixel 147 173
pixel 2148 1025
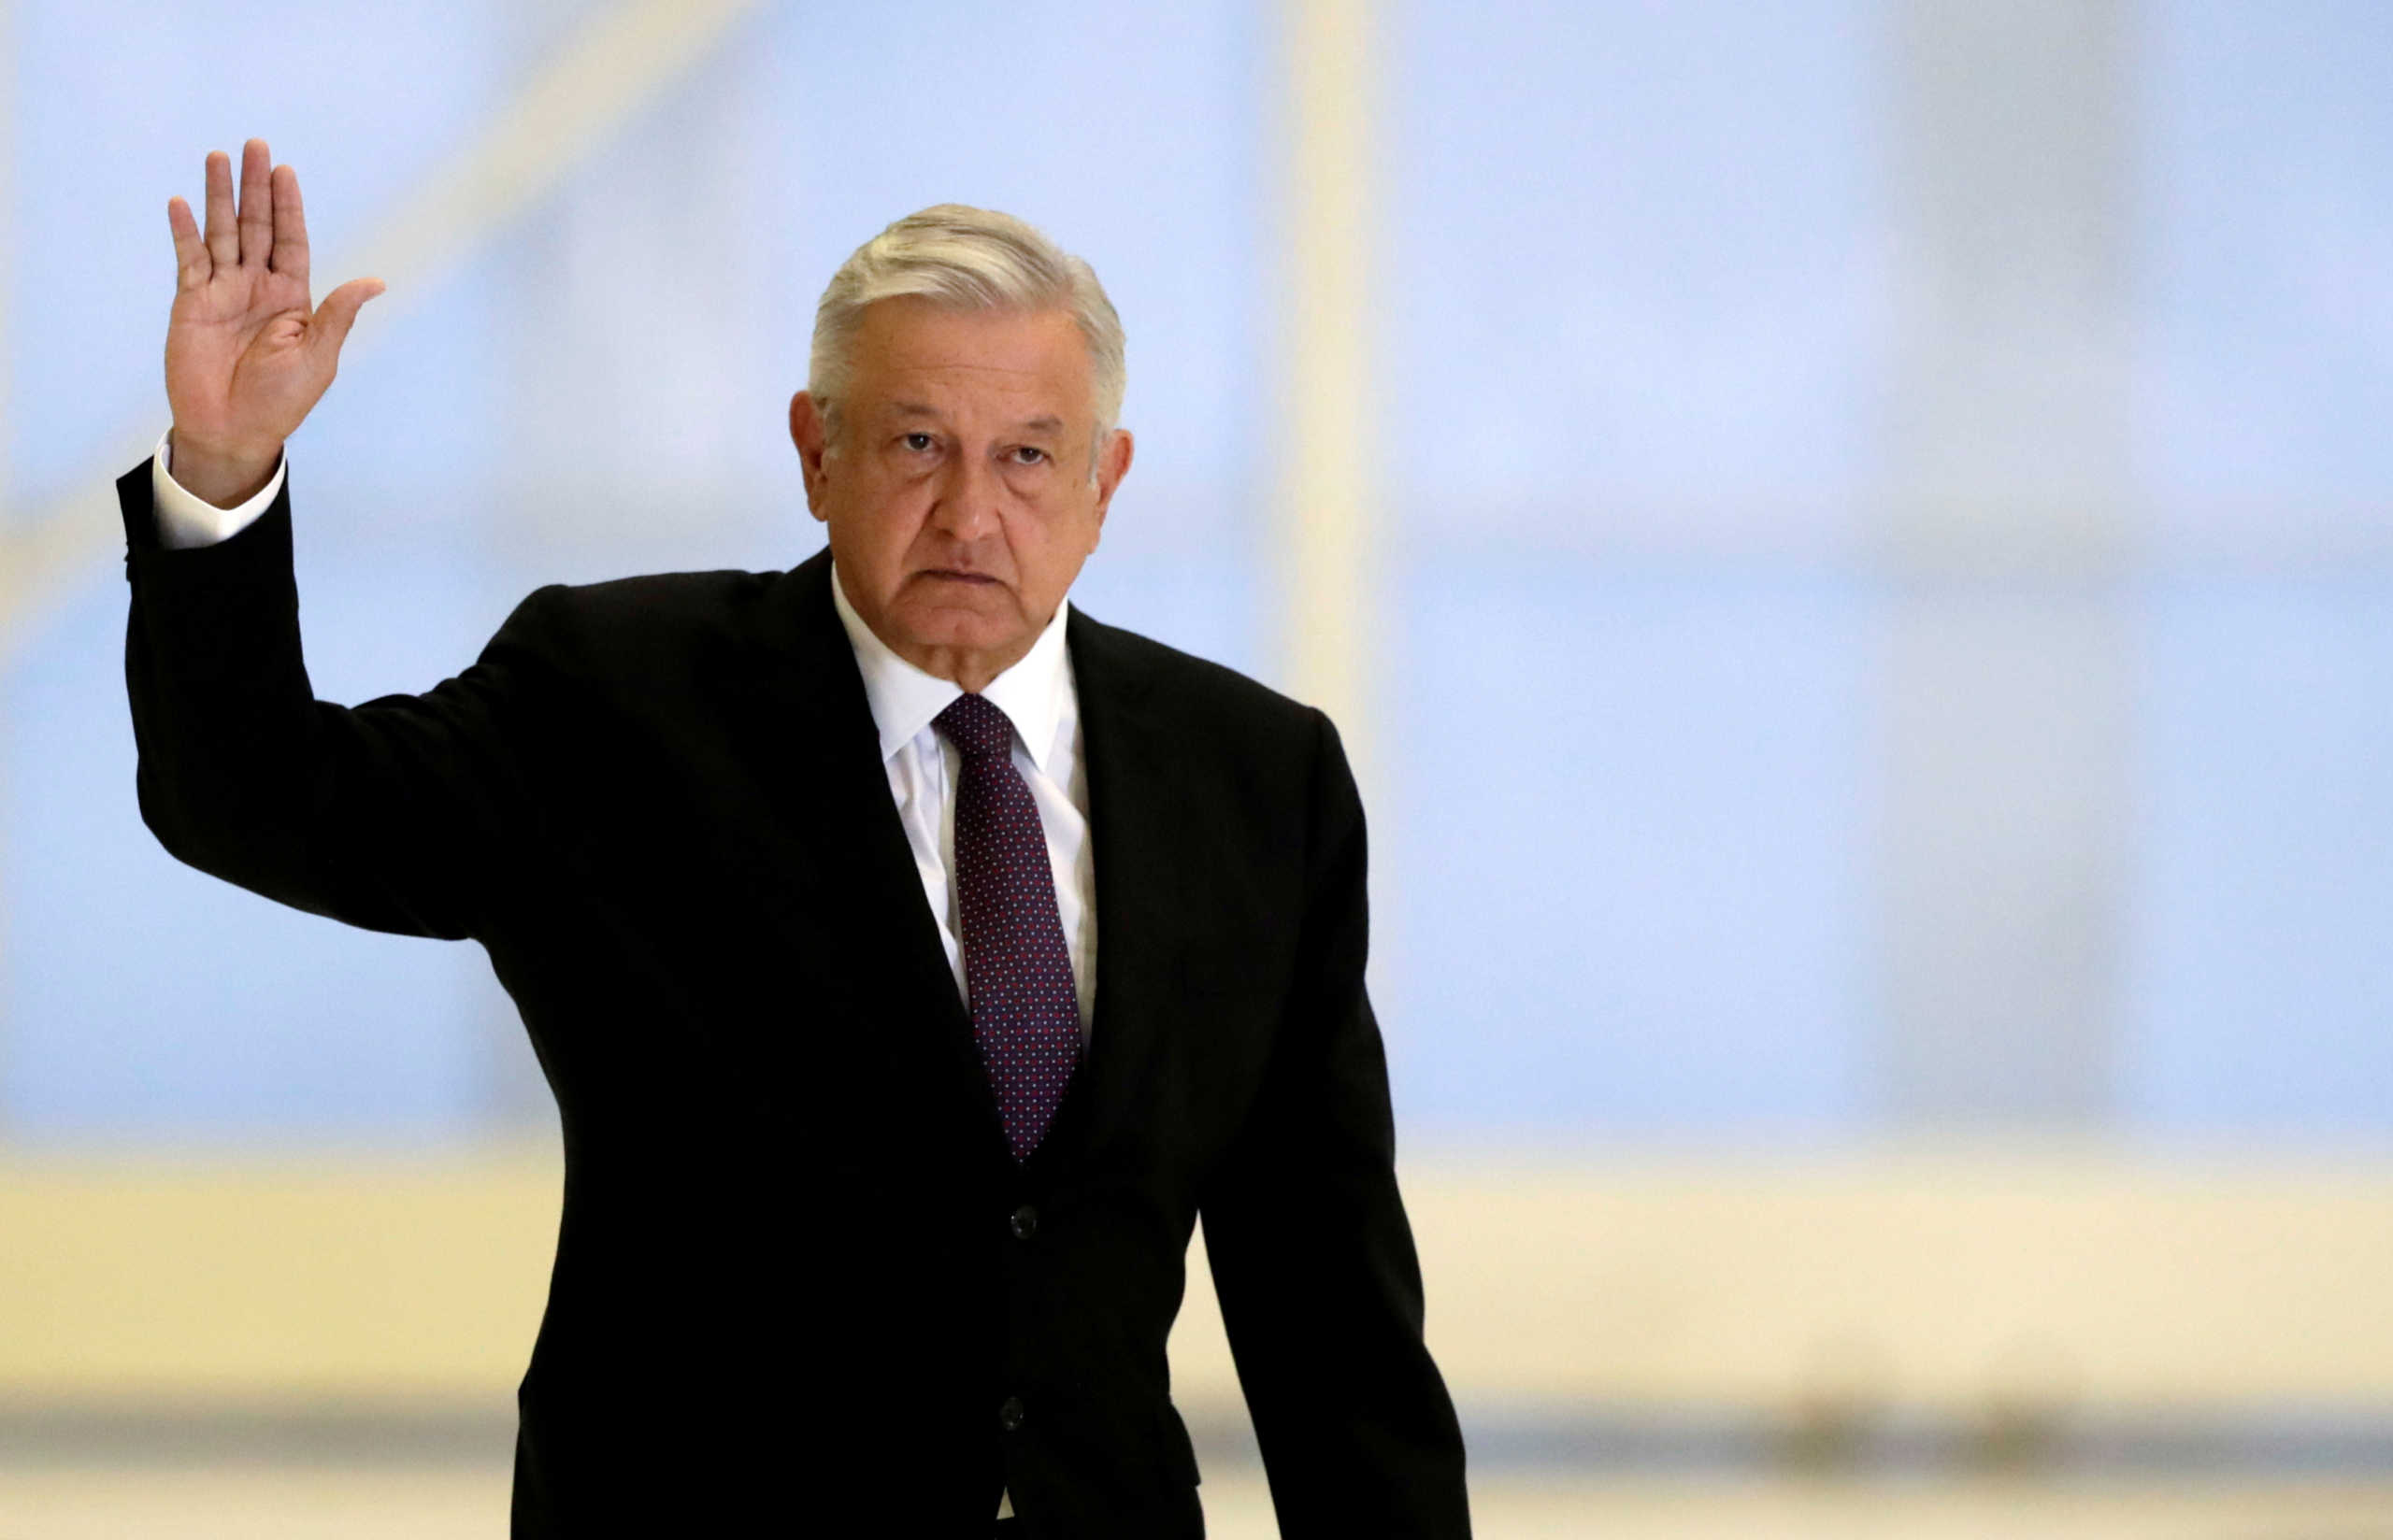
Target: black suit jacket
pixel 800 1284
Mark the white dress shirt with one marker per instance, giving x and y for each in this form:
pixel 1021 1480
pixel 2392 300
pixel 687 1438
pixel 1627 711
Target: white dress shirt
pixel 1037 694
pixel 185 518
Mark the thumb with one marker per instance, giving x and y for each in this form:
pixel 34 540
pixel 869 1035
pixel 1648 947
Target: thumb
pixel 338 312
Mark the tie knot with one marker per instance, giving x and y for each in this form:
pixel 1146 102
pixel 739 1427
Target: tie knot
pixel 976 726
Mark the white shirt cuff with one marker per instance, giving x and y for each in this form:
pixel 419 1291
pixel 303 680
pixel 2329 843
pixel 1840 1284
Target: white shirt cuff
pixel 185 518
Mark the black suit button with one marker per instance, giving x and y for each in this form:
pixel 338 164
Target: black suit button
pixel 1025 1222
pixel 1009 1414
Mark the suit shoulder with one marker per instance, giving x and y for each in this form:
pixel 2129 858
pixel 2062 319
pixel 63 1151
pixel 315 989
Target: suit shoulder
pixel 1212 695
pixel 633 625
pixel 656 598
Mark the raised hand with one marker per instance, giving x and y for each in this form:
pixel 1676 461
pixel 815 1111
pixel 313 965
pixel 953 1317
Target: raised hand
pixel 247 355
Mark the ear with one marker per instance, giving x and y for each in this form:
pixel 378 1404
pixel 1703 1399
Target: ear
pixel 1113 464
pixel 811 435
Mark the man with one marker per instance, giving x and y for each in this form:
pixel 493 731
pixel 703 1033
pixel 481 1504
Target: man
pixel 913 957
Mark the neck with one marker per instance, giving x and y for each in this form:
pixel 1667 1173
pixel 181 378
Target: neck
pixel 969 669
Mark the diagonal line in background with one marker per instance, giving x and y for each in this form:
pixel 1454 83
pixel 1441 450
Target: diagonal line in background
pixel 613 67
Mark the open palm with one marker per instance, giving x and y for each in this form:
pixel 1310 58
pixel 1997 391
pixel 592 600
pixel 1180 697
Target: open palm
pixel 247 355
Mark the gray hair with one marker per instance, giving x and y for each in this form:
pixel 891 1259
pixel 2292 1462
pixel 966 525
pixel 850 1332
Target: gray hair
pixel 968 259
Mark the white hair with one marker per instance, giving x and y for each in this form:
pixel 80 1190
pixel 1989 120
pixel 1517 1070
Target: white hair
pixel 968 259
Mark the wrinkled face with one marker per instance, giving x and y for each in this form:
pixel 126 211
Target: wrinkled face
pixel 956 487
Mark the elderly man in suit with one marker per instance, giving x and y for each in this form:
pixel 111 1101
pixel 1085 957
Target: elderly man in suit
pixel 913 958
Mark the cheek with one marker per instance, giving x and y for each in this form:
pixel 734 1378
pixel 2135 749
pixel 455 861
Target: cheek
pixel 1054 547
pixel 873 534
pixel 884 512
pixel 1079 526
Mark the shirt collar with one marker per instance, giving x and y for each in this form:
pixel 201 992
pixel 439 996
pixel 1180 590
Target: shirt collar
pixel 1034 694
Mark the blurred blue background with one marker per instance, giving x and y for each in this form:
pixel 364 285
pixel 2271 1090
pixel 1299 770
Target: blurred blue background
pixel 1645 307
pixel 1871 524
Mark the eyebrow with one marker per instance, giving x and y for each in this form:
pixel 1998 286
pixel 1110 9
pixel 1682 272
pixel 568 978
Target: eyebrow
pixel 1045 423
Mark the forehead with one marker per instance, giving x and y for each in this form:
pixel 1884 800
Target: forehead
pixel 919 352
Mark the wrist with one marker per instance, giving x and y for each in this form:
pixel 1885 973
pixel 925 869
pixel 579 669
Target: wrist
pixel 224 476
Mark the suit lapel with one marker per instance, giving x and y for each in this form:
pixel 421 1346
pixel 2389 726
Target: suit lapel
pixel 813 731
pixel 1134 797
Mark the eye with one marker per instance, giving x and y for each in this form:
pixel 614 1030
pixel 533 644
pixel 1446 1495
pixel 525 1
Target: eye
pixel 1029 455
pixel 918 441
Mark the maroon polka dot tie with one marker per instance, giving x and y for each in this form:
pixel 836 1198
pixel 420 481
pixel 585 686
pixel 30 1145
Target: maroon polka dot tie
pixel 1026 1013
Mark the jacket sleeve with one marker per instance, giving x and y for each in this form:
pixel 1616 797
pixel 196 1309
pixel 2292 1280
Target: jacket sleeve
pixel 1312 1256
pixel 398 815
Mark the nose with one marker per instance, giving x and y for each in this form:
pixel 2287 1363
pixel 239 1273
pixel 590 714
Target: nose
pixel 968 500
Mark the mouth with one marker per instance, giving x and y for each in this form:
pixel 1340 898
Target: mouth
pixel 955 574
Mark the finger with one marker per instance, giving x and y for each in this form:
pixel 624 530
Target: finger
pixel 329 327
pixel 192 261
pixel 290 225
pixel 257 204
pixel 223 242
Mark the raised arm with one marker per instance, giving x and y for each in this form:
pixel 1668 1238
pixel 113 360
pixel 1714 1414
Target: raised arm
pixel 246 355
pixel 403 814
